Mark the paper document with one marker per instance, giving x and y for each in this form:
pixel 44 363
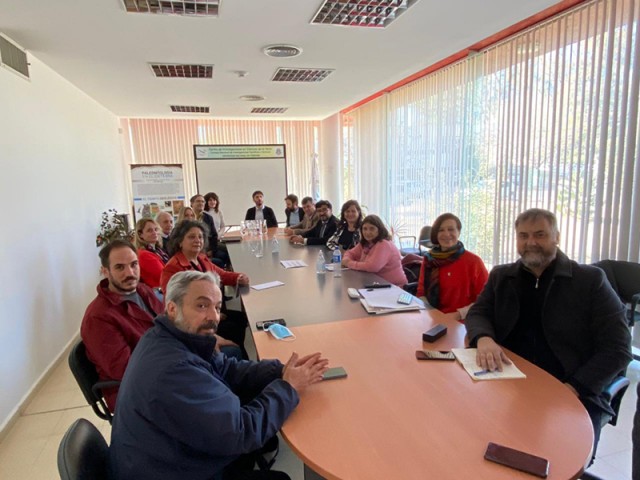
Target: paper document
pixel 293 263
pixel 387 298
pixel 467 358
pixel 330 266
pixel 264 286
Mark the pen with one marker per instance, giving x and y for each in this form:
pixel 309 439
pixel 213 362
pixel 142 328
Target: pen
pixel 481 372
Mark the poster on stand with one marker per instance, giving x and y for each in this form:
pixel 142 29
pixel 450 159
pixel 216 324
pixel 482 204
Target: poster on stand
pixel 157 188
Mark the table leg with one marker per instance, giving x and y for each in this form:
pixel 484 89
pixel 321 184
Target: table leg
pixel 311 475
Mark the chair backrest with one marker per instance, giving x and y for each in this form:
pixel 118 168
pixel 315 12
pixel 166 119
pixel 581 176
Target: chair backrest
pixel 623 276
pixel 425 237
pixel 83 453
pixel 85 374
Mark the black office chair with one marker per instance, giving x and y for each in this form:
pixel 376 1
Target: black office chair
pixel 421 246
pixel 85 374
pixel 614 393
pixel 83 453
pixel 624 277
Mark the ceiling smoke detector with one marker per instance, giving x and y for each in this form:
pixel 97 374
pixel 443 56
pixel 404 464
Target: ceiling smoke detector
pixel 282 51
pixel 252 98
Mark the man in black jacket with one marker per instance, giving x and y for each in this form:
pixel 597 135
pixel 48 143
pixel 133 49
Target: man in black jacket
pixel 561 316
pixel 261 211
pixel 326 226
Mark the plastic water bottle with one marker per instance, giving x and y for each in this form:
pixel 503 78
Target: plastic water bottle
pixel 336 259
pixel 275 246
pixel 320 268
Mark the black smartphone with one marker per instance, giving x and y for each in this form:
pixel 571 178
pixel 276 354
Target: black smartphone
pixel 434 355
pixel 378 285
pixel 266 323
pixel 517 459
pixel 333 373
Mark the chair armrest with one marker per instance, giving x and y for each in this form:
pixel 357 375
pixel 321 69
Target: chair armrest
pixel 619 383
pixel 412 288
pixel 98 386
pixel 635 301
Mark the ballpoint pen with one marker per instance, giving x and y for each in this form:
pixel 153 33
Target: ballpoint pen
pixel 481 372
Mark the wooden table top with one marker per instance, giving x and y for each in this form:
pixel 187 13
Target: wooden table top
pixel 397 417
pixel 305 297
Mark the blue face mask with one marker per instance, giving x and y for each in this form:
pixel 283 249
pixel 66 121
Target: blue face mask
pixel 280 332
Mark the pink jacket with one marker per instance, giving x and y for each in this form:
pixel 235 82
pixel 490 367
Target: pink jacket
pixel 383 258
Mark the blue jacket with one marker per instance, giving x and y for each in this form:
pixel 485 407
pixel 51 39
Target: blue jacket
pixel 582 319
pixel 180 415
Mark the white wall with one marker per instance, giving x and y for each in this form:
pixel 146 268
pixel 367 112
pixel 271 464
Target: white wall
pixel 60 167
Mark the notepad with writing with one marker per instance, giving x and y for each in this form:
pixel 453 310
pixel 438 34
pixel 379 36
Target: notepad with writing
pixel 467 358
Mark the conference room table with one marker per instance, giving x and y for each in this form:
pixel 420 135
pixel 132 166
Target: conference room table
pixel 396 417
pixel 305 297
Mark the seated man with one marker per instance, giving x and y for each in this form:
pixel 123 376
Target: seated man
pixel 261 211
pixel 123 310
pixel 186 412
pixel 293 212
pixel 165 220
pixel 561 316
pixel 326 226
pixel 309 219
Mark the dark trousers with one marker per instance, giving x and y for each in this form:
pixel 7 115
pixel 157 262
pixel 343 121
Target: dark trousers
pixel 635 436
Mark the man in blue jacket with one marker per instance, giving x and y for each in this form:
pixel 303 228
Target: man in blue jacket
pixel 563 317
pixel 185 412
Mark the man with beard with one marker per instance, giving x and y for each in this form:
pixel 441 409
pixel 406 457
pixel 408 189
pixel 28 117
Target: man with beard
pixel 561 316
pixel 121 313
pixel 189 413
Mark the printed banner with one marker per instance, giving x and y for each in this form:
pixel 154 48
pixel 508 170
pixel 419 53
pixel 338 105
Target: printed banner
pixel 157 188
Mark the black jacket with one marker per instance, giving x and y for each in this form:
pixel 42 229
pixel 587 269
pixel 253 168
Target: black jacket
pixel 268 214
pixel 288 212
pixel 313 236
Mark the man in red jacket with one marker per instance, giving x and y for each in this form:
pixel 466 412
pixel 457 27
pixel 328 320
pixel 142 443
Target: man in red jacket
pixel 121 313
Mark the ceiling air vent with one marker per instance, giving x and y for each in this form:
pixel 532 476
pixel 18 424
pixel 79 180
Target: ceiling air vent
pixel 188 109
pixel 194 8
pixel 170 70
pixel 362 13
pixel 301 74
pixel 282 51
pixel 269 109
pixel 13 58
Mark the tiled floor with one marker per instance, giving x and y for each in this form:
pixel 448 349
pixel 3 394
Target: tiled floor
pixel 29 451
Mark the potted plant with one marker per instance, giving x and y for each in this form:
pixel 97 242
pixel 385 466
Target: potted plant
pixel 113 225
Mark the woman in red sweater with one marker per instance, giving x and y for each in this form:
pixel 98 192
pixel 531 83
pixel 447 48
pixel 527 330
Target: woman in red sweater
pixel 151 257
pixel 188 241
pixel 451 278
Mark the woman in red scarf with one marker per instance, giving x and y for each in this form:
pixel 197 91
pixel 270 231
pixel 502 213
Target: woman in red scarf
pixel 451 278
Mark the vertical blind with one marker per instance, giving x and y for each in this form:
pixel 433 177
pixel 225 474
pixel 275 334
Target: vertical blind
pixel 160 141
pixel 547 118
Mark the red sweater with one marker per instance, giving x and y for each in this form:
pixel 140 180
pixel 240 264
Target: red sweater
pixel 150 267
pixel 179 263
pixel 110 330
pixel 460 282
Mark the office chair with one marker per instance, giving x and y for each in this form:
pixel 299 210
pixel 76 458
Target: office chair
pixel 423 243
pixel 624 277
pixel 85 374
pixel 83 453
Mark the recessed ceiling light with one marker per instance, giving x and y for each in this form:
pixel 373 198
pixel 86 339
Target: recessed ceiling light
pixel 252 98
pixel 192 8
pixel 301 74
pixel 370 13
pixel 282 51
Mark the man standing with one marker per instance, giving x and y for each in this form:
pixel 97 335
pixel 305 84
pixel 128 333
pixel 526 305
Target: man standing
pixel 561 316
pixel 118 317
pixel 188 413
pixel 165 220
pixel 261 211
pixel 309 219
pixel 326 226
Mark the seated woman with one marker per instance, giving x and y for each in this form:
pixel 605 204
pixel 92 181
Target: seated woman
pixel 187 244
pixel 212 208
pixel 376 253
pixel 186 213
pixel 151 257
pixel 451 278
pixel 347 235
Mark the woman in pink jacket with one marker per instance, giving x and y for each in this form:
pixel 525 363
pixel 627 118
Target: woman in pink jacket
pixel 376 253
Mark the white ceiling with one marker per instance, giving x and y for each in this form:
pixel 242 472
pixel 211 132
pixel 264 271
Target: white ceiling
pixel 105 51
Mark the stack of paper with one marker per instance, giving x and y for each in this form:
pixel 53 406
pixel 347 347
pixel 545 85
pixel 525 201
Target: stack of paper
pixel 385 300
pixel 467 358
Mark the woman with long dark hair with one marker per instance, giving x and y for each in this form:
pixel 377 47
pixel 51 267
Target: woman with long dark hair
pixel 151 256
pixel 347 235
pixel 376 253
